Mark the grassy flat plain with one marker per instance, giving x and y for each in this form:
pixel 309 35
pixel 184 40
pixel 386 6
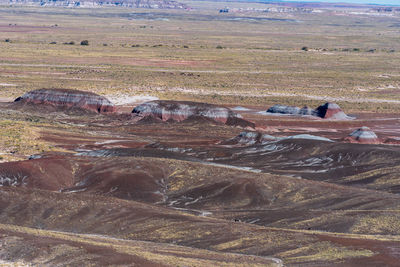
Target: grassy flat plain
pixel 352 60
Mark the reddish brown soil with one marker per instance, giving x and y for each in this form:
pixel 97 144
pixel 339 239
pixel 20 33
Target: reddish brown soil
pixel 184 183
pixel 93 255
pixel 383 257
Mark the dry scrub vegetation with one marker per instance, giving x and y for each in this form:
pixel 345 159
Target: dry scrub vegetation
pixel 203 55
pixel 19 139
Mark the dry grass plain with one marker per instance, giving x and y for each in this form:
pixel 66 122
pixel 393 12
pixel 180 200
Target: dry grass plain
pixel 352 60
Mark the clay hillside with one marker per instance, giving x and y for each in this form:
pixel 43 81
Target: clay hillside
pixel 230 134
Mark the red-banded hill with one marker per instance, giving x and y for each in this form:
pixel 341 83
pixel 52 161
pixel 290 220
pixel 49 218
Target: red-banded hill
pixel 66 99
pixel 167 110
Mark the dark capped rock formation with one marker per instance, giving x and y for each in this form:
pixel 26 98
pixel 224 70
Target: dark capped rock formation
pixel 306 111
pixel 168 110
pixel 325 111
pixel 331 111
pixel 282 109
pixel 364 135
pixel 67 99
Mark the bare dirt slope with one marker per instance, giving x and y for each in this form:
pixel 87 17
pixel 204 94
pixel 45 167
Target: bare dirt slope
pixel 305 200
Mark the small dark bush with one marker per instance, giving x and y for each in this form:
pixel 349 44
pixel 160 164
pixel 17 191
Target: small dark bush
pixel 304 48
pixel 85 42
pixel 53 43
pixel 185 46
pixel 7 40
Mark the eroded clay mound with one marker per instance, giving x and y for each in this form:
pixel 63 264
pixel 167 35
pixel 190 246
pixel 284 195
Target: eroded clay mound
pixel 130 179
pixel 67 99
pixel 325 111
pixel 364 135
pixel 331 111
pixel 249 138
pixel 256 138
pixel 282 109
pixel 167 110
pixel 291 110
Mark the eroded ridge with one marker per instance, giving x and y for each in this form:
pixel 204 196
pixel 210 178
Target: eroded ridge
pixel 67 99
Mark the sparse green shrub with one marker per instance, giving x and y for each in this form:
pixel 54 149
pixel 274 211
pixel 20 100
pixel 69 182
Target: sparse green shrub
pixel 220 47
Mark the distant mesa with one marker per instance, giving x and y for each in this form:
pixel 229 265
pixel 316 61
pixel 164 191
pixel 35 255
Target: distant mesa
pixel 326 111
pixel 150 4
pixel 363 135
pixel 169 110
pixel 67 99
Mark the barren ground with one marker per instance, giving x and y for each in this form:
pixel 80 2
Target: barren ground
pixel 82 189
